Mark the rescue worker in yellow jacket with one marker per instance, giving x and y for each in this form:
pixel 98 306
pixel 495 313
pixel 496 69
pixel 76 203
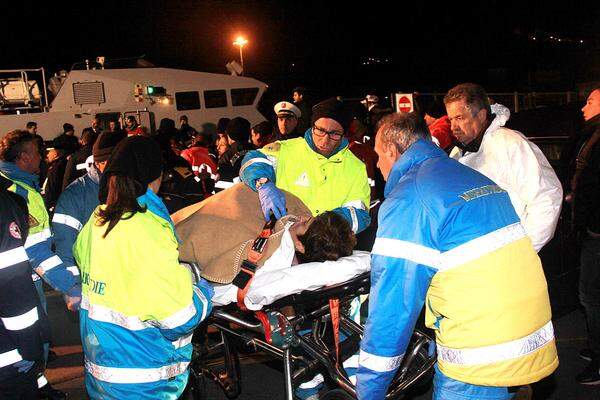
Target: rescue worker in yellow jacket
pixel 139 305
pixel 449 239
pixel 317 168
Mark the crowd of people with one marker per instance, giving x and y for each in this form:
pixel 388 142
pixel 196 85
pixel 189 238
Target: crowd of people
pixel 453 205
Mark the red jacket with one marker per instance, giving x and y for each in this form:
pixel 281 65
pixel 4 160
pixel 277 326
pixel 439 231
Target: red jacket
pixel 368 156
pixel 440 130
pixel 137 131
pixel 198 156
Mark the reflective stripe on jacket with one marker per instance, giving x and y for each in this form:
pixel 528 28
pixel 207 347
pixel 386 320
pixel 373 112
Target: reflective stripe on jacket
pixel 23 323
pixel 138 310
pixel 323 184
pixel 39 243
pixel 73 209
pixel 449 238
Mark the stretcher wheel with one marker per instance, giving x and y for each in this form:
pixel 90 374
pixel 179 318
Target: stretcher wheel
pixel 196 387
pixel 337 394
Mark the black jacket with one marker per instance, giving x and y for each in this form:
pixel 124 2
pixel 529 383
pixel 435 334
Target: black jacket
pixel 23 323
pixel 587 197
pixel 54 181
pixel 304 122
pixel 230 162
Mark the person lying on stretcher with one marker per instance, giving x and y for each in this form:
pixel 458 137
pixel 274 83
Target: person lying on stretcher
pixel 218 233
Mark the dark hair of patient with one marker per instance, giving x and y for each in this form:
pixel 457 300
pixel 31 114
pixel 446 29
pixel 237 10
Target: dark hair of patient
pixel 328 238
pixel 121 200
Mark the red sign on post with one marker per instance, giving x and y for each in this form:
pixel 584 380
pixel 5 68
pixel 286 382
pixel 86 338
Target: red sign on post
pixel 404 104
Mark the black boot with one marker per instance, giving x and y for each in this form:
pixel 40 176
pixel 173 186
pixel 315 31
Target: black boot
pixel 586 354
pixel 590 375
pixel 47 392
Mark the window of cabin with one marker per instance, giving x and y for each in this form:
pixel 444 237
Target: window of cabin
pixel 243 97
pixel 215 98
pixel 187 101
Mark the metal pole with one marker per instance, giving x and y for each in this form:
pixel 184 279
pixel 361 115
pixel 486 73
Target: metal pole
pixel 45 89
pixel 287 372
pixel 242 59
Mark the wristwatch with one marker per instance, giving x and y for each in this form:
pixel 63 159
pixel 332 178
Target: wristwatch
pixel 260 182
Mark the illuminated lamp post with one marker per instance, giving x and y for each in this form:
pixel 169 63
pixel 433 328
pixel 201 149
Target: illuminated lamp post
pixel 241 42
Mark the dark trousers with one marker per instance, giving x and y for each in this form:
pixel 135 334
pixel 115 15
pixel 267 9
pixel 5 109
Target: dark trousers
pixel 22 387
pixel 589 290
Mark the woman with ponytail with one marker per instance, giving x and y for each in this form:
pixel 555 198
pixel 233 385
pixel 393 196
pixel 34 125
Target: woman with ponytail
pixel 139 305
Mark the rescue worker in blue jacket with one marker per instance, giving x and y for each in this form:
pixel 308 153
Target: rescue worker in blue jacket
pixel 23 324
pixel 318 168
pixel 449 239
pixel 139 306
pixel 79 200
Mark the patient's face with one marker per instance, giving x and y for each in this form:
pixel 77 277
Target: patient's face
pixel 299 228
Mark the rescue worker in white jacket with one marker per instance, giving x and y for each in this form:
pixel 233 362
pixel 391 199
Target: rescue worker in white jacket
pixel 507 157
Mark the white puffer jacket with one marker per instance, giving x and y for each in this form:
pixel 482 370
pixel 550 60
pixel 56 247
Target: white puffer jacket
pixel 519 167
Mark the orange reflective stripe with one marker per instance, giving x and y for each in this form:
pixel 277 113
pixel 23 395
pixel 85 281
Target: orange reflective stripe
pixel 334 308
pixel 254 255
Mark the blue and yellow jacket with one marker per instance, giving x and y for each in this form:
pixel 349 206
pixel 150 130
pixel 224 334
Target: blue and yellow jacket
pixel 43 260
pixel 338 182
pixel 73 209
pixel 449 238
pixel 139 307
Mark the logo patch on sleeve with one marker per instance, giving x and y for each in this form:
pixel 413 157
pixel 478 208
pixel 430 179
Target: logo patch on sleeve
pixel 14 230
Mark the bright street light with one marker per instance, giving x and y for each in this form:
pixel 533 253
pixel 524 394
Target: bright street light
pixel 241 42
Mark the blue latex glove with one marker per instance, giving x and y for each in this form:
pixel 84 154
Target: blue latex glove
pixel 271 199
pixel 73 298
pixel 73 303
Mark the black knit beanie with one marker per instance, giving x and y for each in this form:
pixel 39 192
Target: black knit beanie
pixel 238 129
pixel 334 109
pixel 104 145
pixel 137 157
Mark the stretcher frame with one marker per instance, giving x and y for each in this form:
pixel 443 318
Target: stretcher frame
pixel 303 352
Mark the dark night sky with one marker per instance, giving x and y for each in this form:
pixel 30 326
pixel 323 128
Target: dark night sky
pixel 431 47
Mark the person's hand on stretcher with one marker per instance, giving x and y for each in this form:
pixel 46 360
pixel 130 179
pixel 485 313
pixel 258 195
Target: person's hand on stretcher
pixel 271 199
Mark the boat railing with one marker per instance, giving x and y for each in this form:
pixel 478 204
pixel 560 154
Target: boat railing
pixel 20 93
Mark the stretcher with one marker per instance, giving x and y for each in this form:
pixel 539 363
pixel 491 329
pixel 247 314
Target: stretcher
pixel 305 341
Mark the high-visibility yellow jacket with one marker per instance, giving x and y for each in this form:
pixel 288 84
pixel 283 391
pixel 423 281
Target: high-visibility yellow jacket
pixel 138 309
pixel 322 183
pixel 39 241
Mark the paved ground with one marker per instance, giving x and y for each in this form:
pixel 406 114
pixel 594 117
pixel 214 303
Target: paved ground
pixel 264 380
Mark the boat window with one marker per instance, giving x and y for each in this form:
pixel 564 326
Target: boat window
pixel 243 97
pixel 187 100
pixel 215 98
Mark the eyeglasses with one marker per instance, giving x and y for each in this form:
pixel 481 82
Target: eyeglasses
pixel 335 135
